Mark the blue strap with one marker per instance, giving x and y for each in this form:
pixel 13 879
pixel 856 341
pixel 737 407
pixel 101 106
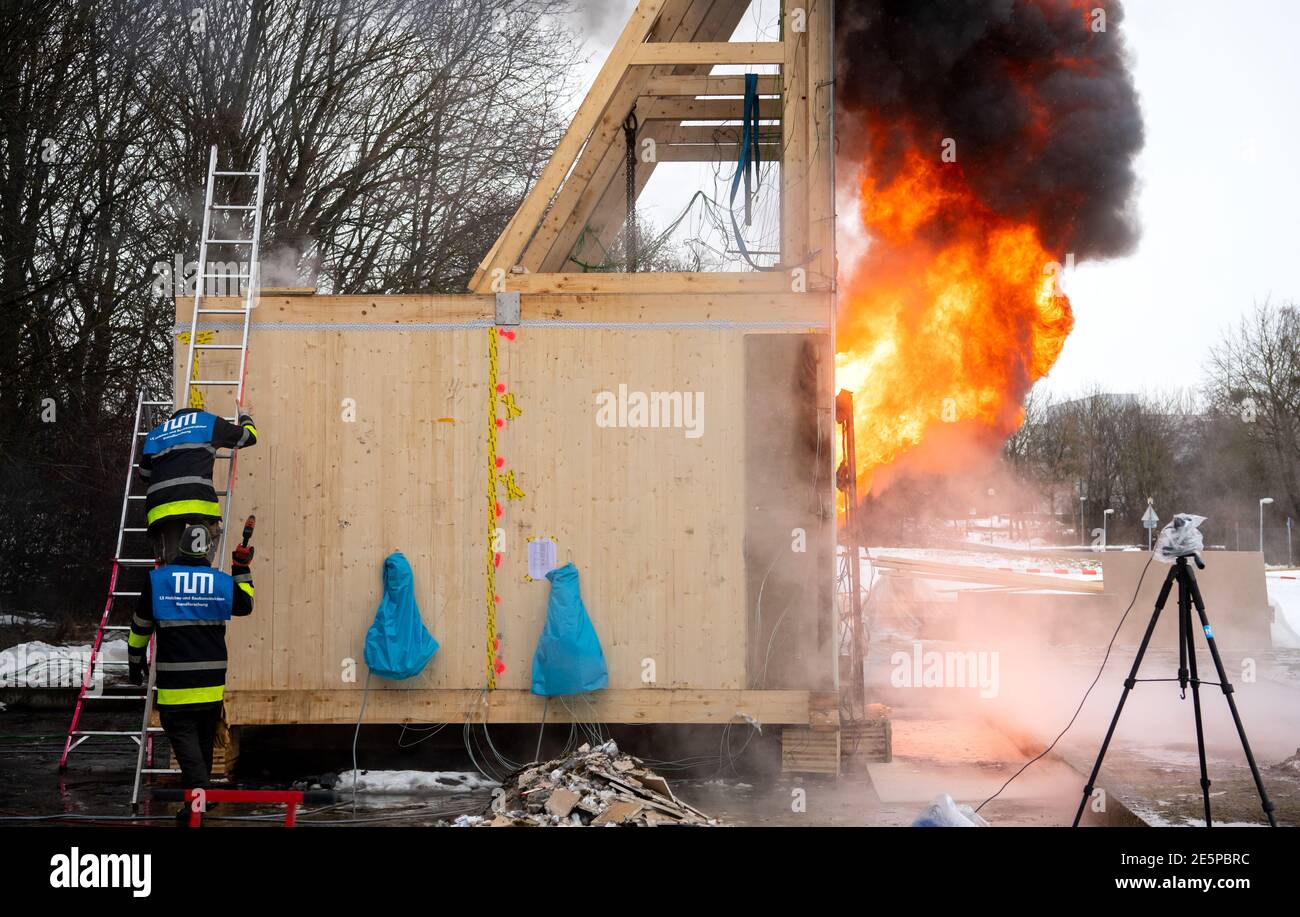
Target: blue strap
pixel 746 163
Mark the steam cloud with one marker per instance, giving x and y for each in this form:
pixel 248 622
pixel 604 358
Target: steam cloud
pixel 1042 107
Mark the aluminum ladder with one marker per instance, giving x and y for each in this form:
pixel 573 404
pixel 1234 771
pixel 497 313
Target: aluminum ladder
pixel 130 540
pixel 193 388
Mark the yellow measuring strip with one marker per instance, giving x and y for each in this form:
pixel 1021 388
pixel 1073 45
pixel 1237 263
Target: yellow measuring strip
pixel 196 395
pixel 492 510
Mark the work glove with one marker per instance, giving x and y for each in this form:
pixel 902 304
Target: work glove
pixel 137 670
pixel 243 555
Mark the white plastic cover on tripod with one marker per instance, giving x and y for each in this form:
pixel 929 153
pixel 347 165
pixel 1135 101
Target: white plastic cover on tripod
pixel 1182 536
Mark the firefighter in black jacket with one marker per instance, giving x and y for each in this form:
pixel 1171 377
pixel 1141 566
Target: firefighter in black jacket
pixel 189 603
pixel 176 464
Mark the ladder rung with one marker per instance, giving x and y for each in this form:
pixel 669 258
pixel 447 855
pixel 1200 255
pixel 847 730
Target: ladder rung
pixel 214 382
pixel 135 697
pixel 135 561
pixel 117 627
pixel 135 529
pixel 130 594
pixel 230 242
pixel 156 404
pixel 234 206
pixel 222 312
pixel 110 732
pixel 228 276
pixel 218 346
pixel 159 770
pixel 234 173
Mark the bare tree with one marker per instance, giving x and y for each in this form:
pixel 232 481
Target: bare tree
pixel 401 136
pixel 1254 384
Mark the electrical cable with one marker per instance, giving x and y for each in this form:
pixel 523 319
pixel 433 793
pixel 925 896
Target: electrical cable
pixel 365 694
pixel 541 730
pixel 1084 699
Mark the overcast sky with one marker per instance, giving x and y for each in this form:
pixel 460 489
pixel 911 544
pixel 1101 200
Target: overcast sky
pixel 1219 198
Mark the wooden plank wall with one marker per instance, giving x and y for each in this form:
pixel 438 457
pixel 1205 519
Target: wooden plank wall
pixel 653 519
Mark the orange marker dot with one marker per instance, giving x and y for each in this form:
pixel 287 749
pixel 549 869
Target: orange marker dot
pixel 501 387
pixel 500 462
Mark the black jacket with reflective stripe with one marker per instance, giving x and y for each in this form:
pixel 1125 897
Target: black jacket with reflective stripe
pixel 179 479
pixel 194 655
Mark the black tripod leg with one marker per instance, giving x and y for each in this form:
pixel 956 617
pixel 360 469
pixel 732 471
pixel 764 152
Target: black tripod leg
pixel 1265 802
pixel 1129 684
pixel 1189 651
pixel 1184 625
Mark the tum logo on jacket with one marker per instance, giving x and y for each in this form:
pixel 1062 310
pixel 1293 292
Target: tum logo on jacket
pixel 192 582
pixel 180 422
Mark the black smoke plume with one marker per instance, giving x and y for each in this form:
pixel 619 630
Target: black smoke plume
pixel 1040 103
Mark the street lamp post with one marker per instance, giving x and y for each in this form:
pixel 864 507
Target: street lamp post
pixel 1262 501
pixel 1104 518
pixel 1082 530
pixel 1290 558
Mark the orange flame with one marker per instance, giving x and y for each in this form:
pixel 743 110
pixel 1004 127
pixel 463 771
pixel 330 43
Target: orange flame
pixel 953 312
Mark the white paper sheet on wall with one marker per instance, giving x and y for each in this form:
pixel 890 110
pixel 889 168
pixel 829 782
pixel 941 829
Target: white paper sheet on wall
pixel 541 557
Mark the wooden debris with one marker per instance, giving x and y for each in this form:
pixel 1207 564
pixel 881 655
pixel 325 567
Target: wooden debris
pixel 561 802
pixel 596 787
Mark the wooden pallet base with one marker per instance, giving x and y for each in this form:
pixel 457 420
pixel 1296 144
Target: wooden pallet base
pixel 869 740
pixel 810 751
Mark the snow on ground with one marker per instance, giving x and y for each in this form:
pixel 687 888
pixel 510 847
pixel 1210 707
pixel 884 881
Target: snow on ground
pixel 44 665
pixel 411 783
pixel 1284 596
pixel 1064 568
pixel 23 621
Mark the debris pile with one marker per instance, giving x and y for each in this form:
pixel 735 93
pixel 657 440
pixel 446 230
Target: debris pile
pixel 594 787
pixel 1291 764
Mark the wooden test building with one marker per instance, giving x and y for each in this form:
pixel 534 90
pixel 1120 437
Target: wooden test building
pixel 457 428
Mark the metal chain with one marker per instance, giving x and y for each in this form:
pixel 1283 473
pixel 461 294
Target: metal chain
pixel 629 134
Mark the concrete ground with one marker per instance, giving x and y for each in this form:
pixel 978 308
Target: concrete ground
pixel 931 756
pixel 944 741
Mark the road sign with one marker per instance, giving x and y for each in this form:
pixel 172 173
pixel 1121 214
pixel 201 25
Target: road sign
pixel 1149 518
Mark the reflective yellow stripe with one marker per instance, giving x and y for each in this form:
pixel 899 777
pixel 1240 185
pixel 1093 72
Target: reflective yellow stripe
pixel 191 695
pixel 137 641
pixel 247 587
pixel 184 507
pixel 252 429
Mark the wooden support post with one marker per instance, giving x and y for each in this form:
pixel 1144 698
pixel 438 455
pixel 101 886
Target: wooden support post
pixel 708 85
pixel 590 113
pixel 603 153
pixel 708 52
pixel 794 139
pixel 602 166
pixel 821 155
pixel 697 110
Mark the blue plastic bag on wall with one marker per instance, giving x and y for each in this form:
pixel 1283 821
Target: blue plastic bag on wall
pixel 568 659
pixel 397 644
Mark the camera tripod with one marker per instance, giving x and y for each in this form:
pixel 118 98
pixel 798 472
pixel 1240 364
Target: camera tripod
pixel 1189 594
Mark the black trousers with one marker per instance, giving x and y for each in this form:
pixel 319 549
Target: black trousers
pixel 192 732
pixel 165 538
